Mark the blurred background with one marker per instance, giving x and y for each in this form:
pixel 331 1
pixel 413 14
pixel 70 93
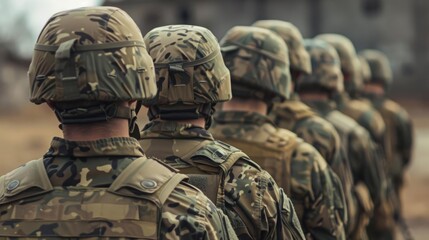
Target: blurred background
pixel 397 27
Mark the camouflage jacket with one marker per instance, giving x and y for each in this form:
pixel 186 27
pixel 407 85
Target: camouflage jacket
pixel 302 120
pixel 399 135
pixel 364 114
pixel 357 144
pixel 312 183
pixel 104 189
pixel 256 206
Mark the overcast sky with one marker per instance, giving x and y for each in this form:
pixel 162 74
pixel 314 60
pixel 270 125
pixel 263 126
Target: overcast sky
pixel 22 20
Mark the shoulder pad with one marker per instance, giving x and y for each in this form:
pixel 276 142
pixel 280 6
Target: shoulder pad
pixel 341 121
pixel 297 109
pixel 28 180
pixel 145 177
pixel 216 151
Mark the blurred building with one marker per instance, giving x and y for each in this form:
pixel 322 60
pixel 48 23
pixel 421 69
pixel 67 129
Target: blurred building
pixel 397 27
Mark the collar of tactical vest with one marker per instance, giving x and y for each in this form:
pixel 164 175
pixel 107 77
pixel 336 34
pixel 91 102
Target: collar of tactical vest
pixel 241 117
pixel 173 129
pixel 116 146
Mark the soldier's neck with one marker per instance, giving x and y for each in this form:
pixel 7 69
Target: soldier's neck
pixel 246 105
pixel 200 122
pixel 94 131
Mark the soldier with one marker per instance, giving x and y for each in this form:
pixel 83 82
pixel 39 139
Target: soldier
pixel 192 78
pixel 259 66
pixel 398 124
pixel 297 117
pixel 349 101
pixel 90 65
pixel 317 90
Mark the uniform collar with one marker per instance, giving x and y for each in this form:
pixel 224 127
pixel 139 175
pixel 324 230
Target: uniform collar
pixel 116 146
pixel 172 129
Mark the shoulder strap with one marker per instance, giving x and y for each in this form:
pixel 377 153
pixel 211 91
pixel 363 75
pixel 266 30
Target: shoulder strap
pixel 148 176
pixel 274 157
pixel 28 180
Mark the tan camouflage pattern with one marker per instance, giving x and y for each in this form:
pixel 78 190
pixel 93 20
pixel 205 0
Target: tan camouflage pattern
pixel 353 81
pixel 73 200
pixel 201 82
pixel 258 61
pixel 364 114
pixel 116 74
pixel 379 65
pixel 248 190
pixel 308 125
pixel 318 199
pixel 298 56
pixel 326 68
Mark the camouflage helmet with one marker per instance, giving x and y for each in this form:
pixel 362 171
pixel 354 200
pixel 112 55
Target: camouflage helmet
pixel 298 56
pixel 259 63
pixel 365 70
pixel 353 81
pixel 326 68
pixel 379 66
pixel 190 72
pixel 91 54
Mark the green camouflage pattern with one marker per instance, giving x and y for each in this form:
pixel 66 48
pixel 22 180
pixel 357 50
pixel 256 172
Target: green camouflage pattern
pixel 298 56
pixel 258 61
pixel 308 125
pixel 71 198
pixel 315 189
pixel 399 135
pixel 189 66
pixel 364 114
pixel 363 157
pixel 326 69
pixel 247 190
pixel 379 65
pixel 353 81
pixel 102 74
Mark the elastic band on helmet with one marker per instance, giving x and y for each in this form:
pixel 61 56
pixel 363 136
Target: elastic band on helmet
pixel 93 47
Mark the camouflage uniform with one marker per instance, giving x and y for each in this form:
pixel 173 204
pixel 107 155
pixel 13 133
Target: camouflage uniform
pixel 295 165
pixel 192 78
pixel 297 117
pixel 358 109
pixel 356 141
pixel 399 132
pixel 79 189
pixel 86 61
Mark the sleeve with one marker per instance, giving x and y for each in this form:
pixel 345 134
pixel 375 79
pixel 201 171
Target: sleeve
pixel 259 204
pixel 405 137
pixel 314 195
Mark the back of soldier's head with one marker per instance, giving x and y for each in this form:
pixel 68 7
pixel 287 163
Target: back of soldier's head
pixel 381 72
pixel 353 81
pixel 190 72
pixel 87 60
pixel 259 64
pixel 326 73
pixel 299 58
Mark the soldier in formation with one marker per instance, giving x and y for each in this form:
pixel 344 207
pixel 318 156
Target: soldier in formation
pixel 191 78
pixel 399 131
pixel 90 65
pixel 258 61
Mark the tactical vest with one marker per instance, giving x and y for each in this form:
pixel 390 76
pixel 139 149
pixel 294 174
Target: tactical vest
pixel 287 114
pixel 359 203
pixel 129 209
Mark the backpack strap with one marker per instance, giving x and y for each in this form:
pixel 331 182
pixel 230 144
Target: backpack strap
pixel 147 178
pixel 26 181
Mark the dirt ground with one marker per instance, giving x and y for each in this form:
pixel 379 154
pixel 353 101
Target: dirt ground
pixel 25 134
